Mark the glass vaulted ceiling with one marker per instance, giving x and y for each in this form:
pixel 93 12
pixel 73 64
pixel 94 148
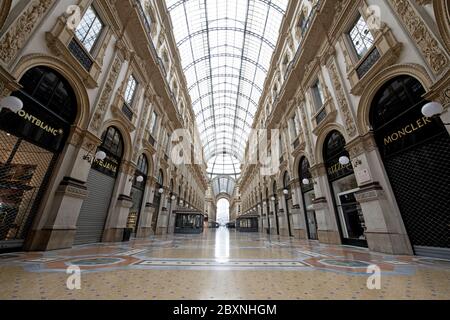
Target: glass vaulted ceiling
pixel 226 47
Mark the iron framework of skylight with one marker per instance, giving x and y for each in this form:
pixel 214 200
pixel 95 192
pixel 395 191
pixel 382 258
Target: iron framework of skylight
pixel 226 47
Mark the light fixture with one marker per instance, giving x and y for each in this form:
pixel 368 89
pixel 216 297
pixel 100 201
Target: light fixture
pixel 173 198
pixel 100 155
pixel 139 179
pixel 273 198
pixel 11 103
pixel 161 191
pixel 433 110
pixel 344 160
pixel 305 182
pixel 286 192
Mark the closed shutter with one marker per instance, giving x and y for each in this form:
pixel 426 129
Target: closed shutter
pixel 93 214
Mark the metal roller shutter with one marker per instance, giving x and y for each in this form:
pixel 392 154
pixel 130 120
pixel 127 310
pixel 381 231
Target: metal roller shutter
pixel 94 211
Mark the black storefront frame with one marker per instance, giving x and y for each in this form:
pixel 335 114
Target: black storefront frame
pixel 39 124
pixel 346 173
pixel 304 189
pixel 406 114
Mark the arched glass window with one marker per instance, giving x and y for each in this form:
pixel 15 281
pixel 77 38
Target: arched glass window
pixel 305 174
pixel 161 178
pixel 112 142
pixel 52 91
pixel 286 179
pixel 334 145
pixel 141 170
pixel 334 148
pixel 394 98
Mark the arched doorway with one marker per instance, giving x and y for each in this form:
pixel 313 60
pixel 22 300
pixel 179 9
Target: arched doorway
pixel 275 205
pixel 416 155
pixel 308 196
pixel 137 192
pixel 287 199
pixel 30 143
pixel 223 211
pixel 100 185
pixel 157 200
pixel 343 187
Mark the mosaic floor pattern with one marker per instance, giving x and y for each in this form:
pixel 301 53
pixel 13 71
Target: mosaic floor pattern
pixel 220 264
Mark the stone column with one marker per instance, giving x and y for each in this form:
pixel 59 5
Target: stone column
pixel 327 226
pixel 272 217
pixel 385 231
pixel 161 227
pixel 144 228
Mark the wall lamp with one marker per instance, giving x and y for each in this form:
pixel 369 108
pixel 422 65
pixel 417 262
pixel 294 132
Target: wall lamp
pixel 100 155
pixel 285 192
pixel 433 110
pixel 139 179
pixel 11 103
pixel 307 182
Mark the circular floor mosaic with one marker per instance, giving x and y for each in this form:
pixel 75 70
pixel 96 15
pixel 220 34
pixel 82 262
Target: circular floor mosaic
pixel 95 261
pixel 345 263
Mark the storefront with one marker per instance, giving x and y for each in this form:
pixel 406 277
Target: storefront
pixel 416 155
pixel 247 223
pixel 30 142
pixel 308 197
pixel 343 186
pixel 137 193
pixel 187 222
pixel 100 185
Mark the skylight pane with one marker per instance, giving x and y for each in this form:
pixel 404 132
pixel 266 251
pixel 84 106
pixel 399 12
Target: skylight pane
pixel 226 48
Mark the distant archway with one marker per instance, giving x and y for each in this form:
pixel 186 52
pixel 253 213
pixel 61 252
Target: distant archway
pixel 223 211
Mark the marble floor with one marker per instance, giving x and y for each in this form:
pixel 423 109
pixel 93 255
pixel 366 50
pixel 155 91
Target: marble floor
pixel 220 264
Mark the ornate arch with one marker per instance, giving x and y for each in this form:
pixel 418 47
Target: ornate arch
pixel 5 7
pixel 148 153
pixel 321 140
pixel 34 60
pixel 296 164
pixel 413 70
pixel 125 136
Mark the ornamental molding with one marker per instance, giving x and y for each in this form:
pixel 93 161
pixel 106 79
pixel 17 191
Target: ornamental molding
pixel 420 33
pixel 14 39
pixel 342 100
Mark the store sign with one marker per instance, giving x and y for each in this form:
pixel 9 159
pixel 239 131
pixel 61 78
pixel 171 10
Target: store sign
pixel 109 166
pixel 406 131
pixel 409 129
pixel 336 170
pixel 39 123
pixel 35 124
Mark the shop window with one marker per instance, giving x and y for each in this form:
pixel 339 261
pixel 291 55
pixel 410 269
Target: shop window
pixel 361 37
pixel 89 29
